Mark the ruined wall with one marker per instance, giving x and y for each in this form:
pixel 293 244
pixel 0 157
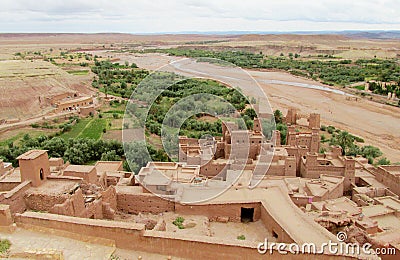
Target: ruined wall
pixel 213 211
pixel 134 203
pixel 43 202
pixel 300 201
pixel 211 169
pixel 9 185
pixel 15 197
pixel 5 215
pixel 75 206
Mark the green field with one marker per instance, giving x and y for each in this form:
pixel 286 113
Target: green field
pixel 87 128
pixel 76 129
pixel 94 130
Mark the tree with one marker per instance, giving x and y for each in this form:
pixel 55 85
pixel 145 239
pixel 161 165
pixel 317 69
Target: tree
pixel 137 155
pixel 250 112
pixel 346 141
pixel 110 156
pixel 278 116
pixel 282 128
pixel 370 151
pixel 56 147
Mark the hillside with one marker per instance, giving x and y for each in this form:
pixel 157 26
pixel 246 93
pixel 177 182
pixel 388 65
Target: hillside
pixel 25 85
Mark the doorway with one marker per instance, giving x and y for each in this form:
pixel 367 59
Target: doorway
pixel 247 215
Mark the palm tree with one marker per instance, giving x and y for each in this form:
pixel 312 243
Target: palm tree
pixel 346 141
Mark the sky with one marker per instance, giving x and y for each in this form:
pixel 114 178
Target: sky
pixel 158 16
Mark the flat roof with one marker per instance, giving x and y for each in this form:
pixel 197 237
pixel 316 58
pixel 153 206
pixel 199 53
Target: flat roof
pixel 390 201
pixel 79 168
pixel 156 178
pixel 108 166
pixel 55 187
pixel 342 204
pixel 32 154
pixel 387 222
pixel 80 99
pixel 54 159
pixel 375 210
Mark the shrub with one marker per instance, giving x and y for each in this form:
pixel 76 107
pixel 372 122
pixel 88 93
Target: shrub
pixel 179 222
pixel 383 161
pixel 5 244
pixel 331 129
pixel 241 237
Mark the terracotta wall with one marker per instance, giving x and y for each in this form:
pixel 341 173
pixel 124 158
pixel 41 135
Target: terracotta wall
pixel 7 186
pixel 272 225
pixel 145 203
pixel 133 237
pixel 213 211
pixel 126 235
pixel 389 180
pixel 43 202
pixel 15 197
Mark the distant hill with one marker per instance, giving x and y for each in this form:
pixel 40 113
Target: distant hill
pixel 374 34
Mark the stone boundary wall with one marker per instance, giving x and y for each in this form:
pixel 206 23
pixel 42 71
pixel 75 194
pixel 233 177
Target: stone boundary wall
pixel 132 236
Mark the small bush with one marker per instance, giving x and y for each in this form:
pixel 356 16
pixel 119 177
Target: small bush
pixel 330 129
pixel 383 161
pixel 179 222
pixel 358 139
pixel 241 237
pixel 5 244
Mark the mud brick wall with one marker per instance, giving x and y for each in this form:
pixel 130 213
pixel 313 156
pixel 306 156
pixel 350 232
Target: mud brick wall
pixel 213 211
pixel 146 203
pixel 134 237
pixel 15 197
pixel 43 202
pixel 273 226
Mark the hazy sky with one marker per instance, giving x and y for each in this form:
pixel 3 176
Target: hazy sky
pixel 151 16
